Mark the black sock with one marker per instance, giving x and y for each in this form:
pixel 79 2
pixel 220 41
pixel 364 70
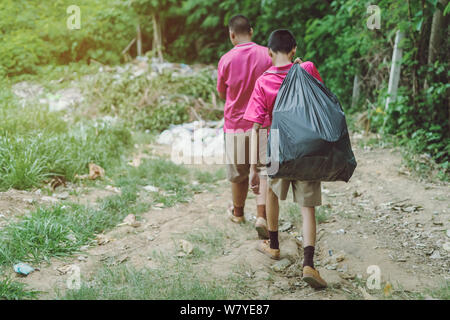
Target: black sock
pixel 273 236
pixel 308 253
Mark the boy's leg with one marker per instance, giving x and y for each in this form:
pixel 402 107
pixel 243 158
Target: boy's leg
pixel 271 247
pixel 308 195
pixel 309 235
pixel 262 155
pixel 273 211
pixel 239 193
pixel 261 218
pixel 261 198
pixel 238 169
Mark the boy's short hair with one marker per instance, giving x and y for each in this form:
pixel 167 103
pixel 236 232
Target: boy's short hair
pixel 239 24
pixel 282 40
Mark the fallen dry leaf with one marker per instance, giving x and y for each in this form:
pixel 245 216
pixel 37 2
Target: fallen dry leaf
pixel 65 269
pixel 387 289
pixel 95 171
pixel 102 239
pixel 186 246
pixel 130 220
pixel 58 181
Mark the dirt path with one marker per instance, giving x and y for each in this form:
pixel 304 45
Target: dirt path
pixel 381 218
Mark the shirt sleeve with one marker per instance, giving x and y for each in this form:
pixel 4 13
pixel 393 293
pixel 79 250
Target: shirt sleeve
pixel 221 78
pixel 257 106
pixel 312 70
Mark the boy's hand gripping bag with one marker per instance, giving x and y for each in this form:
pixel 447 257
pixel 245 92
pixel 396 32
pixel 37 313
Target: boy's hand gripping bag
pixel 308 139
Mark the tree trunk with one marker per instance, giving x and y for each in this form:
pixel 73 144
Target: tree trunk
pixel 157 37
pixel 356 90
pixel 436 33
pixel 394 76
pixel 139 41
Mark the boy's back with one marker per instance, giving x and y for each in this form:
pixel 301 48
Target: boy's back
pixel 262 101
pixel 238 71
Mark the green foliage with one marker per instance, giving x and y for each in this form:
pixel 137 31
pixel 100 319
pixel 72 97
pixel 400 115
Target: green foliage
pixel 35 33
pixel 163 115
pixel 150 102
pixel 13 290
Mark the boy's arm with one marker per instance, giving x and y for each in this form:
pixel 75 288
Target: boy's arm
pixel 221 82
pixel 254 177
pixel 256 112
pixel 223 95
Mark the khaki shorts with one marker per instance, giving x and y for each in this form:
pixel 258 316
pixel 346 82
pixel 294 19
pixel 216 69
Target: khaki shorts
pixel 237 151
pixel 305 193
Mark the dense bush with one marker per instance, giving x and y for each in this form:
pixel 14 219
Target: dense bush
pixel 149 101
pixel 35 33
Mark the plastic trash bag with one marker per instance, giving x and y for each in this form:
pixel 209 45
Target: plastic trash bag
pixel 308 138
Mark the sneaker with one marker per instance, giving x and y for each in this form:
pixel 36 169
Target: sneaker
pixel 261 228
pixel 264 247
pixel 312 277
pixel 235 219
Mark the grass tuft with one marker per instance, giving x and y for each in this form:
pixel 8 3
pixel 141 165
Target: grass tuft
pixel 177 282
pixel 12 290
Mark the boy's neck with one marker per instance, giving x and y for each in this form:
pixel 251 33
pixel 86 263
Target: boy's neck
pixel 280 60
pixel 243 40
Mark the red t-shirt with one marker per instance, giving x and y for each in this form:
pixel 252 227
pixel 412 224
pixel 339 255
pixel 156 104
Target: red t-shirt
pixel 263 98
pixel 237 73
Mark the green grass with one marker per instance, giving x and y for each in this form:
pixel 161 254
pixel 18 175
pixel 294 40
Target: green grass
pixel 322 214
pixel 290 211
pixel 167 282
pixel 36 144
pixel 210 177
pixel 13 290
pixel 209 241
pixel 171 179
pixel 27 160
pixel 61 230
pixel 441 293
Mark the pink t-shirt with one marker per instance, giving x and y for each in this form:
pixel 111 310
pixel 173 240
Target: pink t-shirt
pixel 263 98
pixel 238 71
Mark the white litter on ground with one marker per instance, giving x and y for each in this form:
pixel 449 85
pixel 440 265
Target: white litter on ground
pixel 198 139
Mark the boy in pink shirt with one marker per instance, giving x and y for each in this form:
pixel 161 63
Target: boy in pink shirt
pixel 238 70
pixel 282 48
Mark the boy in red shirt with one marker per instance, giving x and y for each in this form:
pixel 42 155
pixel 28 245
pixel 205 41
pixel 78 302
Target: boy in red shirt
pixel 282 48
pixel 238 70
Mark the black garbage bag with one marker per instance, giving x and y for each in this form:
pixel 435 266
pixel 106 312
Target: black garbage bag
pixel 309 139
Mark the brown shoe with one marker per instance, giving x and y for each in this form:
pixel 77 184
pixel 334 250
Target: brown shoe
pixel 235 219
pixel 261 228
pixel 313 278
pixel 264 247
